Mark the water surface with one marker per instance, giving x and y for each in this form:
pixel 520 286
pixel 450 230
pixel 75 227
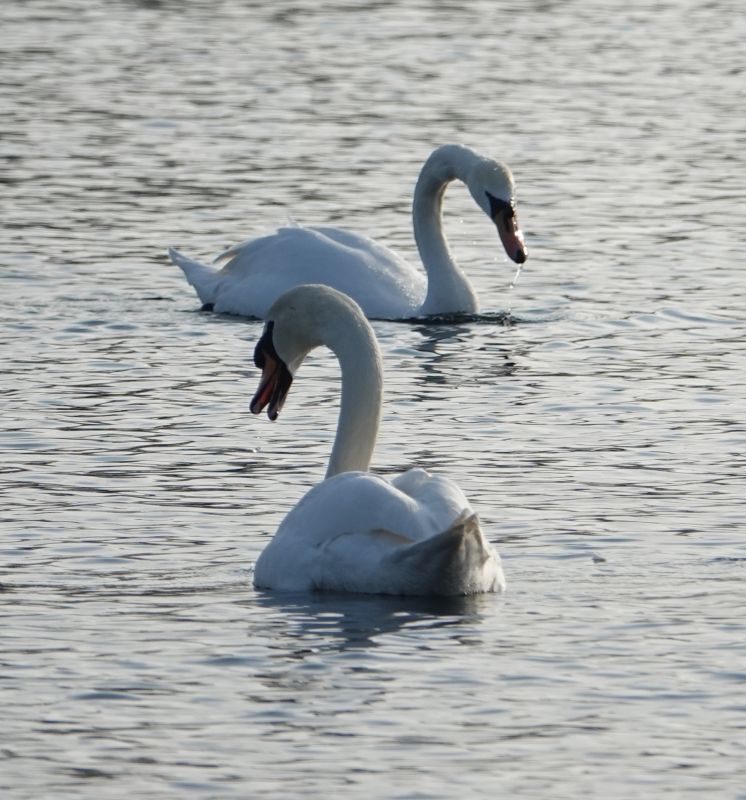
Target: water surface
pixel 593 414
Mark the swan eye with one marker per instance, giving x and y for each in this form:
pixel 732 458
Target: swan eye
pixel 505 208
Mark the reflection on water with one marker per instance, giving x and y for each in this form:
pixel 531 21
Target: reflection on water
pixel 329 621
pixel 592 414
pixel 450 351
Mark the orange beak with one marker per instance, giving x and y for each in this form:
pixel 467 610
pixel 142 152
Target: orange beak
pixel 276 379
pixel 503 214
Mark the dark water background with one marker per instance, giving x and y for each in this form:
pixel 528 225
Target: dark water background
pixel 600 434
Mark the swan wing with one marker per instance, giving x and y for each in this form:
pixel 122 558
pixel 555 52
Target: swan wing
pixel 458 561
pixel 258 271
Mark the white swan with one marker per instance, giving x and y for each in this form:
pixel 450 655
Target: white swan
pixel 383 284
pixel 355 531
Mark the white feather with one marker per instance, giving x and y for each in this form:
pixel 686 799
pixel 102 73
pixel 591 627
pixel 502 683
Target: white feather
pixel 259 271
pixel 415 534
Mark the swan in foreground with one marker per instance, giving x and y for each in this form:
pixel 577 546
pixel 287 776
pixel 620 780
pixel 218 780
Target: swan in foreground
pixel 357 532
pixel 385 286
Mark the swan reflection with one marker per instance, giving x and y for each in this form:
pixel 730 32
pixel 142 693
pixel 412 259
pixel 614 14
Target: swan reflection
pixel 306 623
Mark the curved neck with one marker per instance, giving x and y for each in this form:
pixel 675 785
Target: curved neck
pixel 362 392
pixel 448 289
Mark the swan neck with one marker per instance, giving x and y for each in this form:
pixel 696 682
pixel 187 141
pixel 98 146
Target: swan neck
pixel 448 288
pixel 362 392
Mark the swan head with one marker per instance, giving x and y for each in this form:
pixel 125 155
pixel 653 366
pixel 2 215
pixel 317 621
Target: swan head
pixel 491 185
pixel 300 320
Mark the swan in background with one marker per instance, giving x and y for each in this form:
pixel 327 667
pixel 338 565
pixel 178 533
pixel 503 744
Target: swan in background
pixel 384 285
pixel 357 532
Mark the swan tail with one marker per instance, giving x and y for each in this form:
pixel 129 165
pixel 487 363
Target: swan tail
pixel 204 279
pixel 458 561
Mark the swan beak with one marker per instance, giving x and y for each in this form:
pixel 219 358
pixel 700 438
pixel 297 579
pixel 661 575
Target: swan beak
pixel 276 379
pixel 505 218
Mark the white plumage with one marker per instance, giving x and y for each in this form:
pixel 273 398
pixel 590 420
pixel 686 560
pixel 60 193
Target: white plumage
pixel 258 271
pixel 358 532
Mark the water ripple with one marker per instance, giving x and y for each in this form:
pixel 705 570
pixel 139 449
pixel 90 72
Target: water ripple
pixel 592 412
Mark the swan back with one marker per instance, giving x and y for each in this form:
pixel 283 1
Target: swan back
pixel 259 271
pixel 415 535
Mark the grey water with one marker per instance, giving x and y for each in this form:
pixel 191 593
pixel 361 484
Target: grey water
pixel 594 415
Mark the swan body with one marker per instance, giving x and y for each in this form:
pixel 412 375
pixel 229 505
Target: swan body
pixel 415 534
pixel 258 271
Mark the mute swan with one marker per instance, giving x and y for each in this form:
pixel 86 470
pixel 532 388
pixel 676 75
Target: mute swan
pixel 258 271
pixel 355 531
